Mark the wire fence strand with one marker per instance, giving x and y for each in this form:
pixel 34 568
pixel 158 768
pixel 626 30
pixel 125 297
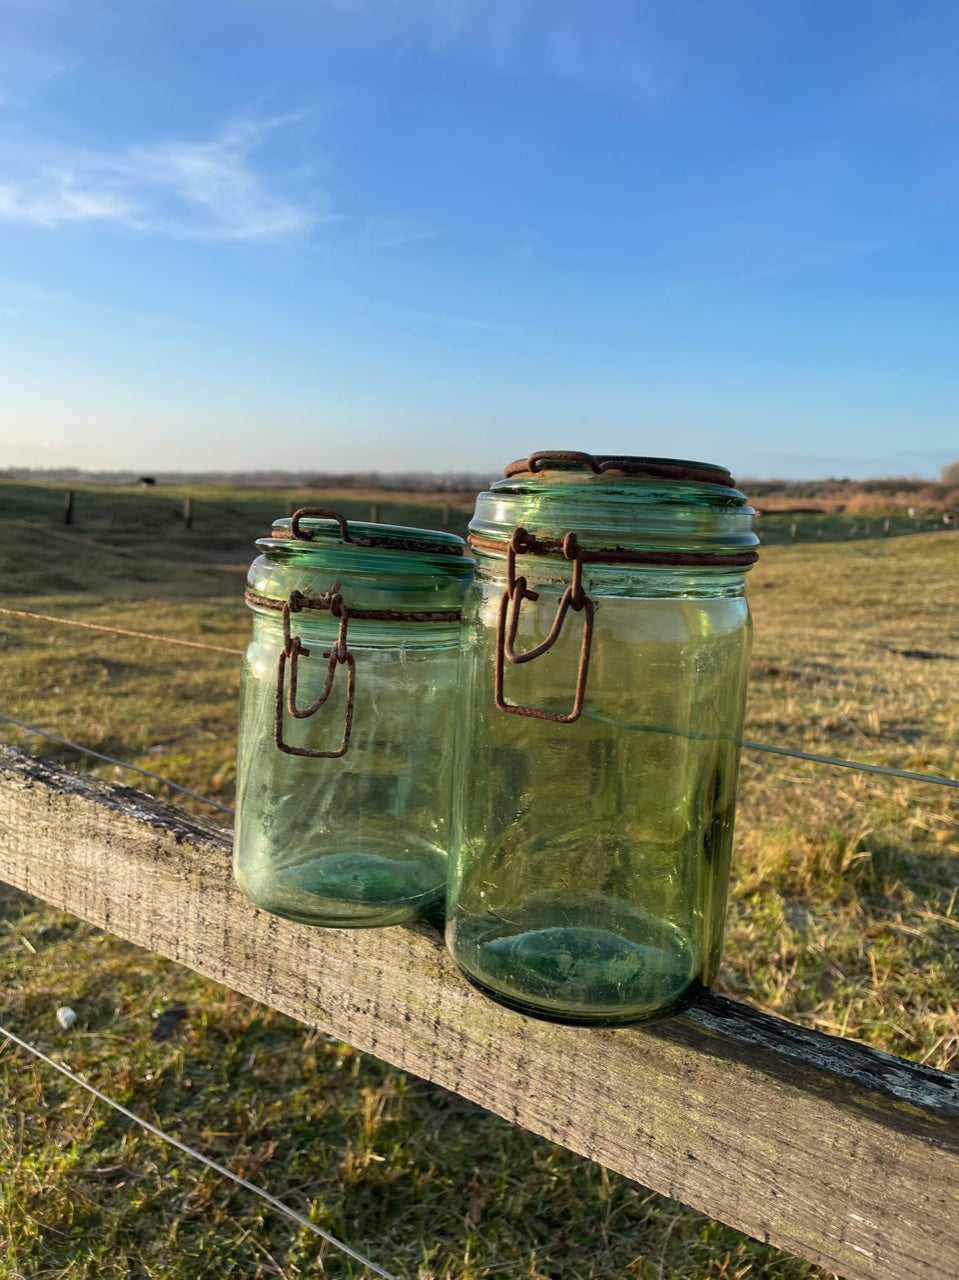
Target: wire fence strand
pixel 120 631
pixel 279 1205
pixel 839 762
pixel 120 764
pixel 887 770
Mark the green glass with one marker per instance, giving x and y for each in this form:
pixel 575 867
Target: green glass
pixel 590 853
pixel 357 836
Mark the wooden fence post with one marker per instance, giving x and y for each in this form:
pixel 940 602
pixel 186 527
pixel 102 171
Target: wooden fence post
pixel 837 1152
pixel 68 508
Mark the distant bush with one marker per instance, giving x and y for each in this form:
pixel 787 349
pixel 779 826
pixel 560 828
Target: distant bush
pixel 867 503
pixel 868 499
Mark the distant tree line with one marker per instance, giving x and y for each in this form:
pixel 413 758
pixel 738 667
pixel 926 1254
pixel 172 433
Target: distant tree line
pixel 409 482
pixel 862 496
pixel 837 492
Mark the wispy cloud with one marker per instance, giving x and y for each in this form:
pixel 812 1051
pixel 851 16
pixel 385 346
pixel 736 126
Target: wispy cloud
pixel 17 297
pixel 391 233
pixel 612 47
pixel 457 322
pixel 797 261
pixel 209 190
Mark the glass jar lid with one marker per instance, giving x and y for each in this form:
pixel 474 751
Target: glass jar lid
pixel 619 464
pixel 618 508
pixel 419 572
pixel 324 527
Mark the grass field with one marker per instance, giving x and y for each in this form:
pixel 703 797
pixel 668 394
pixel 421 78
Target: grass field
pixel 843 916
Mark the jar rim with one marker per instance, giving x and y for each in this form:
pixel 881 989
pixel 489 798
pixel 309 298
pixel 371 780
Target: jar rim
pixel 619 464
pixel 323 527
pixel 617 509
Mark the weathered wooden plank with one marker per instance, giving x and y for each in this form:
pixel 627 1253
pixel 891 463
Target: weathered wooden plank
pixel 836 1152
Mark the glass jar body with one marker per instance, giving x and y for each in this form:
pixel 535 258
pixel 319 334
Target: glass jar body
pixel 347 708
pixel 360 839
pixel 589 860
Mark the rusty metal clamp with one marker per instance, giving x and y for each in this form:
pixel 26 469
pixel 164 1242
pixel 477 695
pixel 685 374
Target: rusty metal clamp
pixel 574 597
pixel 294 649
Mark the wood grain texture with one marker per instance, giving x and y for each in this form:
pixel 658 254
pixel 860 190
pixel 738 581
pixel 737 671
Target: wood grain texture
pixel 838 1153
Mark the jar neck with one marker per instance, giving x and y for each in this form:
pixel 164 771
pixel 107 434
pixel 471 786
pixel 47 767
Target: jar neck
pixel 387 587
pixel 639 581
pixel 633 518
pixel 320 631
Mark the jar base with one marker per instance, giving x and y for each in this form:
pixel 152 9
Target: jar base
pixel 383 919
pixel 571 1018
pixel 607 963
pixel 350 889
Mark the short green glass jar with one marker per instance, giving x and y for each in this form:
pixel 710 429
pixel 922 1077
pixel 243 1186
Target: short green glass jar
pixel 605 652
pixel 347 706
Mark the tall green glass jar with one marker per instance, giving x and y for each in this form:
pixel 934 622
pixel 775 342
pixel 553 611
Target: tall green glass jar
pixel 605 650
pixel 347 705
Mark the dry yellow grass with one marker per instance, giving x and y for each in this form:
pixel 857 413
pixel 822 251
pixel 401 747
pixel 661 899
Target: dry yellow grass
pixel 844 903
pixel 843 917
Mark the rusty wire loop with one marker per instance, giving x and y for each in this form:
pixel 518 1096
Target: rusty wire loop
pixel 293 649
pixel 358 615
pixel 322 513
pixel 626 555
pixel 662 468
pixel 574 597
pixel 538 461
pixel 337 655
pixel 395 540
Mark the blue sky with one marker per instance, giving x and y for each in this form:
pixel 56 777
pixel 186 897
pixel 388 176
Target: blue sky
pixel 439 234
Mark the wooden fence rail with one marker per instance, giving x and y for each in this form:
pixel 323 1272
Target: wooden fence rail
pixel 836 1152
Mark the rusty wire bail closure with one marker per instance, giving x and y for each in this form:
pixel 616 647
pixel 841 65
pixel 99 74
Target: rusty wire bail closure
pixel 574 597
pixel 293 649
pixel 656 468
pixel 394 540
pixel 323 513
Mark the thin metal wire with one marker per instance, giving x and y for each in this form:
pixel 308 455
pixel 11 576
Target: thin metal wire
pixel 887 770
pixel 121 764
pixel 279 1205
pixel 120 631
pixel 838 761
